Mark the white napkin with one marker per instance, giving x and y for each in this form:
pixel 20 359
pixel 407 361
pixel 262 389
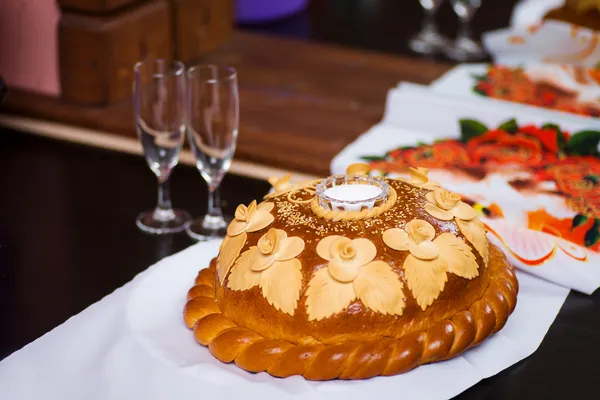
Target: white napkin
pixel 529 39
pixel 407 122
pixel 133 344
pixel 551 42
pixel 460 81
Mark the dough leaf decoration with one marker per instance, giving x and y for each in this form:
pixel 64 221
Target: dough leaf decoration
pixel 429 261
pixel 247 219
pixel 272 265
pixel 281 285
pixel 251 219
pixel 326 296
pixel 358 169
pixel 425 279
pixel 447 206
pixel 281 184
pixel 418 178
pixel 352 274
pixel 379 288
pixel 474 231
pixel 229 251
pixel 458 256
pixel 284 186
pixel 242 277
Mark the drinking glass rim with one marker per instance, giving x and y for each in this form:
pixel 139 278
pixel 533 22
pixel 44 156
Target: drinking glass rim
pixel 330 182
pixel 231 72
pixel 178 71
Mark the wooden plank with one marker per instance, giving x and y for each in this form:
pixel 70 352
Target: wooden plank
pixel 301 103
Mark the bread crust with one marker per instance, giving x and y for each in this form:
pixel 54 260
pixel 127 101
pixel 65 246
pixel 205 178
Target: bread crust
pixel 236 334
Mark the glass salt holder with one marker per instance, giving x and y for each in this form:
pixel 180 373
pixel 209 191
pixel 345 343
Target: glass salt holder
pixel 360 200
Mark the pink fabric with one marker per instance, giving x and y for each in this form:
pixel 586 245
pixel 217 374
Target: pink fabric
pixel 28 45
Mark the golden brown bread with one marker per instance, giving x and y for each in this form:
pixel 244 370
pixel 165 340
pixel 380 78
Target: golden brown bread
pixel 300 289
pixel 356 322
pixel 445 339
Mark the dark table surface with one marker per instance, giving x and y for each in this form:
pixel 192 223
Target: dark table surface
pixel 68 237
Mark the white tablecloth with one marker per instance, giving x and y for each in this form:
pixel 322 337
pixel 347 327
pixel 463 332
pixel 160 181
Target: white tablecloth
pixel 133 344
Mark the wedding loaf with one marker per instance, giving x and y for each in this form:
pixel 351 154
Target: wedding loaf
pixel 308 285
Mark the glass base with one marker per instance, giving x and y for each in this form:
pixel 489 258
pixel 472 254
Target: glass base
pixel 466 50
pixel 208 227
pixel 169 222
pixel 427 42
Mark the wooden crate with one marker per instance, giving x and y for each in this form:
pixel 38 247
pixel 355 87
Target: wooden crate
pixel 97 53
pixel 201 26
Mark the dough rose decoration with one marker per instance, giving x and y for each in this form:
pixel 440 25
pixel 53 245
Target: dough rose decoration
pixel 358 169
pixel 282 184
pixel 251 219
pixel 352 274
pixel 418 178
pixel 447 206
pixel 247 219
pixel 429 259
pixel 272 265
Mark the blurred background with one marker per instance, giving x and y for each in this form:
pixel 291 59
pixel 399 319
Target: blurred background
pixel 53 46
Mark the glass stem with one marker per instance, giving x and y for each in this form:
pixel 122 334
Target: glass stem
pixel 214 202
pixel 464 32
pixel 164 208
pixel 429 25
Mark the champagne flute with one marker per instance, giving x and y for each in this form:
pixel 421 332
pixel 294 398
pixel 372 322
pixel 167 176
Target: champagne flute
pixel 465 48
pixel 429 40
pixel 159 108
pixel 213 118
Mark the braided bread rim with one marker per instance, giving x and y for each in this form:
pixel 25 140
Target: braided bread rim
pixel 229 342
pixel 335 215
